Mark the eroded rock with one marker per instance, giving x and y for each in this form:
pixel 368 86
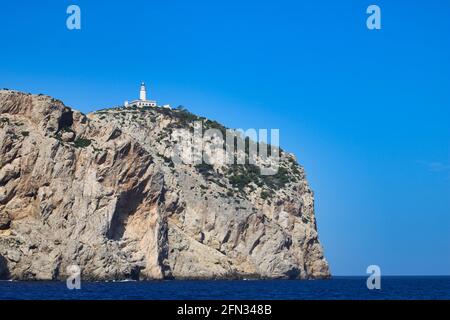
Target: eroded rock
pixel 101 191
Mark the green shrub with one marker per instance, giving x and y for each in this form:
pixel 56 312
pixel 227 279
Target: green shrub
pixel 82 143
pixel 205 169
pixel 240 181
pixel 279 179
pixel 265 194
pixel 220 184
pixel 4 120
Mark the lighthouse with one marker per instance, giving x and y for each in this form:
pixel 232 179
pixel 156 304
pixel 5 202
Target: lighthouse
pixel 142 102
pixel 143 92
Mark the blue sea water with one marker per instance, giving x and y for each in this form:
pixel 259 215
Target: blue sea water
pixel 336 288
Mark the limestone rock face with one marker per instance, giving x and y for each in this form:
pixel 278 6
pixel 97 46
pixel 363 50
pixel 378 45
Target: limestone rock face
pixel 102 192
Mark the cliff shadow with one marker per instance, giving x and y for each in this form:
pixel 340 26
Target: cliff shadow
pixel 4 272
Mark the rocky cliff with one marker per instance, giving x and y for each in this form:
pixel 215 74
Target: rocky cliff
pixel 101 191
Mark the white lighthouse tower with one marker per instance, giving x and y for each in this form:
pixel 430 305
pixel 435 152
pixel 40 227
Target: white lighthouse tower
pixel 143 92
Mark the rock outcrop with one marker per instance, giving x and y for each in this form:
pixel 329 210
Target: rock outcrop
pixel 101 191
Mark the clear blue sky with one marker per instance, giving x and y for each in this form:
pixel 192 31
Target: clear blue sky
pixel 366 112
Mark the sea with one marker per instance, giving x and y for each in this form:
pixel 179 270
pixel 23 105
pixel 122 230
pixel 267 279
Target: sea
pixel 337 288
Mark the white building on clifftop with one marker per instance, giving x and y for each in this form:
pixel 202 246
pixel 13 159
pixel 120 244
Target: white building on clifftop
pixel 142 102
